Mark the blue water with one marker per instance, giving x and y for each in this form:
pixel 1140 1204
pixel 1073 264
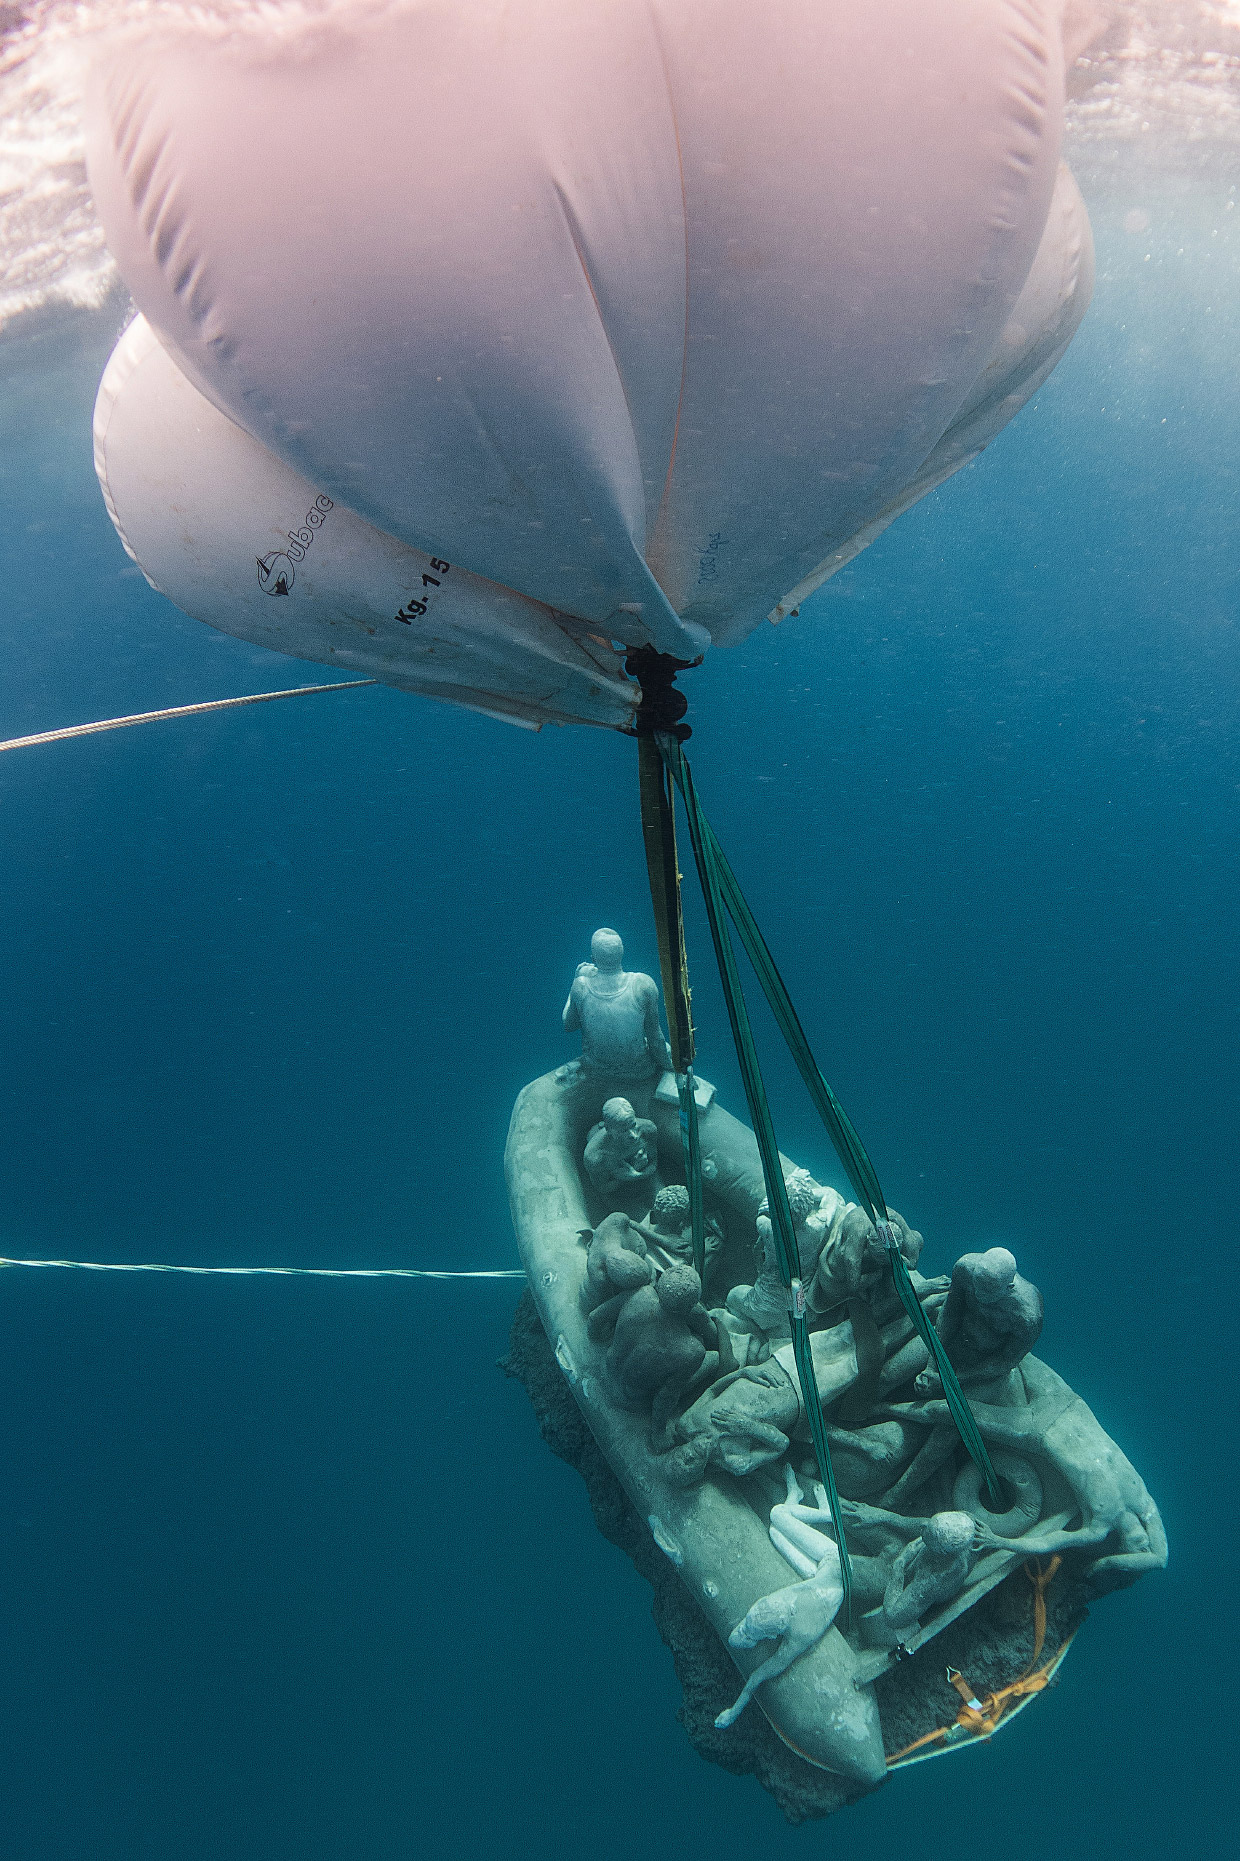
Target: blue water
pixel 285 1569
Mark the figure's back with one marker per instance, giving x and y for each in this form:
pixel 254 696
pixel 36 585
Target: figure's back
pixel 613 1027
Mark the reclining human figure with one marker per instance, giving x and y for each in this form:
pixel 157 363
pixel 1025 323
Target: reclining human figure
pixel 749 1419
pixel 799 1615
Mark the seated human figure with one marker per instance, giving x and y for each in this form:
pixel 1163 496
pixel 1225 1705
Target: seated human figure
pixel 853 1260
pixel 927 1573
pixel 617 1013
pixel 662 1343
pixel 764 1305
pixel 622 1158
pixel 617 1263
pixel 668 1230
pixel 990 1319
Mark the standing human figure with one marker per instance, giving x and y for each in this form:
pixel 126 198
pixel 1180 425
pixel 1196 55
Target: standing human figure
pixel 764 1305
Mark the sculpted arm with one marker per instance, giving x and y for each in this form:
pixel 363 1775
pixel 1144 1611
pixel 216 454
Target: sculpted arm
pixel 955 1305
pixel 656 1045
pixel 572 1013
pixel 702 1326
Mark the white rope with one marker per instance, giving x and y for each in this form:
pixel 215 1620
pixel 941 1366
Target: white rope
pixel 180 710
pixel 111 1266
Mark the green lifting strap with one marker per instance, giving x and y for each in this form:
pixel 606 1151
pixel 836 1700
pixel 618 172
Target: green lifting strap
pixel 772 1170
pixel 860 1171
pixel 848 1146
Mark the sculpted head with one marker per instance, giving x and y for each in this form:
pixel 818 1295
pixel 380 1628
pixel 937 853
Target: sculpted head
pixel 679 1290
pixel 618 1117
pixel 671 1208
pixel 948 1533
pixel 802 1195
pixel 993 1274
pixel 606 951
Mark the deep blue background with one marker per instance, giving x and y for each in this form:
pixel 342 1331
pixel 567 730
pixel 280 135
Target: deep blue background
pixel 285 1569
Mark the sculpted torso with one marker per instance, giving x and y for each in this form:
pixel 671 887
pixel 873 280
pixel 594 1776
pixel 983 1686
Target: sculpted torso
pixel 622 1157
pixel 992 1317
pixel 617 1013
pixel 612 1018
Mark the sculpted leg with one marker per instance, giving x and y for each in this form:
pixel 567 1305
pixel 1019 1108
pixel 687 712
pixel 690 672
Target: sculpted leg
pixel 799 1615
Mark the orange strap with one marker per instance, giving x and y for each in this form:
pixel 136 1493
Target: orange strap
pixel 980 1717
pixel 927 1738
pixel 1039 1579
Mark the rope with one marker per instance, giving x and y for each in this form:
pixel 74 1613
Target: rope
pixel 1039 1579
pixel 112 1266
pixel 179 710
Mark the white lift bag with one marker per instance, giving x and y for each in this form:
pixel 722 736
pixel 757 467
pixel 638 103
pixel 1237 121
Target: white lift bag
pixel 644 316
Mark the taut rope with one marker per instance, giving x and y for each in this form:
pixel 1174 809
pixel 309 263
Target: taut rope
pixel 179 710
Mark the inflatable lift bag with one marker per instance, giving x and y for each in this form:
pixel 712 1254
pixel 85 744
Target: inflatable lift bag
pixel 479 337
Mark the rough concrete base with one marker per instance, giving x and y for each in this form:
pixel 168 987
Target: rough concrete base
pixel 991 1644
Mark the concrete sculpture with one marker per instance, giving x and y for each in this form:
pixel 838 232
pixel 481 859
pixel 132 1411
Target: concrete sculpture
pixel 693 1396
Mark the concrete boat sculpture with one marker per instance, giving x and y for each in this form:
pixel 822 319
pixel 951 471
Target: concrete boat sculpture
pixel 691 1394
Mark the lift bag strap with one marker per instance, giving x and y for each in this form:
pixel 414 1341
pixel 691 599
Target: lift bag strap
pixel 852 1154
pixel 787 1256
pixel 848 1146
pixel 659 834
pixel 663 869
